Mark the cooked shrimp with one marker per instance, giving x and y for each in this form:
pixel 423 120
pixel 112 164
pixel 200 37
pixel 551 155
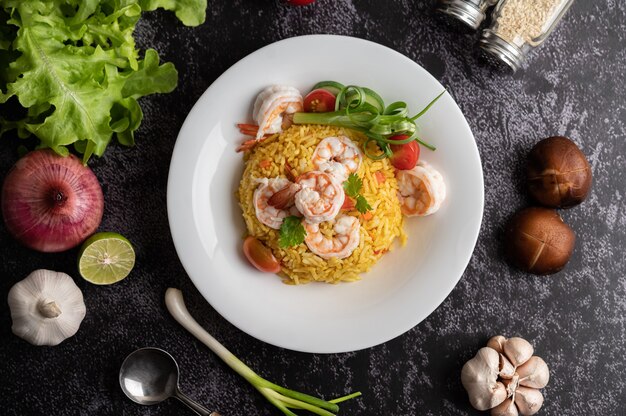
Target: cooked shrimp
pixel 338 156
pixel 320 198
pixel 421 190
pixel 344 242
pixel 267 214
pixel 271 105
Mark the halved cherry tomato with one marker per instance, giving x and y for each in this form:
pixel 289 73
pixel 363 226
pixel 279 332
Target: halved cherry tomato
pixel 348 204
pixel 260 256
pixel 405 156
pixel 299 2
pixel 319 101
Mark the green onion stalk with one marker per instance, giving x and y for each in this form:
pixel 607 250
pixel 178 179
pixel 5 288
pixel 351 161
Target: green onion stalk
pixel 363 110
pixel 281 397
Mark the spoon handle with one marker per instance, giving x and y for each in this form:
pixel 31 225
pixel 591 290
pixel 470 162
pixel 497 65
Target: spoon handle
pixel 193 405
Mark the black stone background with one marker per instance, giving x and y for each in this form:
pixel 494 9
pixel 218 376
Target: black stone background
pixel 574 85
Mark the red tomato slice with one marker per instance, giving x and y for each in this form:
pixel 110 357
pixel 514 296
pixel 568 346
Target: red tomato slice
pixel 319 101
pixel 260 256
pixel 348 204
pixel 405 156
pixel 299 2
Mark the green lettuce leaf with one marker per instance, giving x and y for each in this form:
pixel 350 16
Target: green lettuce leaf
pixel 190 12
pixel 74 67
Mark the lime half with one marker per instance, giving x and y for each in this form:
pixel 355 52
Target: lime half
pixel 106 258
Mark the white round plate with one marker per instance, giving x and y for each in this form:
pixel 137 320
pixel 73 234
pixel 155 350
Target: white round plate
pixel 206 223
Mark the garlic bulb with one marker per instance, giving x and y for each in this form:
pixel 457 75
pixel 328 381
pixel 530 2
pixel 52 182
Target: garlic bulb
pixel 505 377
pixel 46 307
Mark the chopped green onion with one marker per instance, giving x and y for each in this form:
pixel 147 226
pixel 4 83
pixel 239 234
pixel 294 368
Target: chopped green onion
pixel 421 113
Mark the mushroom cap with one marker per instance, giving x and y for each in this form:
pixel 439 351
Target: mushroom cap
pixel 558 173
pixel 45 286
pixel 538 241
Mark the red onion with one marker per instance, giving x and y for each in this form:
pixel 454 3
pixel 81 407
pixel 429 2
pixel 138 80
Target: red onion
pixel 51 203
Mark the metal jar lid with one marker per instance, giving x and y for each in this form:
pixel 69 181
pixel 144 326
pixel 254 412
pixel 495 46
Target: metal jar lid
pixel 499 51
pixel 471 13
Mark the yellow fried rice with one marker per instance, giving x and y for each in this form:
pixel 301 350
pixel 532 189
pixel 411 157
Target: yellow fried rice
pixel 378 230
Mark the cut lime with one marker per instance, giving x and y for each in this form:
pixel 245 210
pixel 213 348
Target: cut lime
pixel 106 258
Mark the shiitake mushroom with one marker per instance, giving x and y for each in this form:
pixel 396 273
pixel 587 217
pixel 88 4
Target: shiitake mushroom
pixel 558 173
pixel 538 241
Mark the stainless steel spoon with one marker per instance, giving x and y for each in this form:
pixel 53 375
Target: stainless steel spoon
pixel 150 375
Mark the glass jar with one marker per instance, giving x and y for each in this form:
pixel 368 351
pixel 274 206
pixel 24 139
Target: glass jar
pixel 470 12
pixel 519 26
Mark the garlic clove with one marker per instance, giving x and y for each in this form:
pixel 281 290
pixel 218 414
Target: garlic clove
pixel 511 385
pixel 479 377
pixel 497 343
pixel 528 400
pixel 534 373
pixel 46 307
pixel 506 408
pixel 506 368
pixel 518 350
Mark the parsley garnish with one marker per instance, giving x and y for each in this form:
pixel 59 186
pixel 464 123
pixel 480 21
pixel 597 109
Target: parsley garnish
pixel 353 186
pixel 362 205
pixel 292 232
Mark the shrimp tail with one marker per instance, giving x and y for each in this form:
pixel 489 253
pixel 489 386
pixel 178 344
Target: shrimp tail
pixel 247 145
pixel 289 172
pixel 287 121
pixel 284 198
pixel 248 129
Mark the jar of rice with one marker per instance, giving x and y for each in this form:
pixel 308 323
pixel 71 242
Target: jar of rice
pixel 519 26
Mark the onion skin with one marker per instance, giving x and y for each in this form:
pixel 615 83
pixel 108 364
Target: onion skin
pixel 51 203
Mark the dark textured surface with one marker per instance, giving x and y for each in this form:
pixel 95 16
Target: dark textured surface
pixel 573 86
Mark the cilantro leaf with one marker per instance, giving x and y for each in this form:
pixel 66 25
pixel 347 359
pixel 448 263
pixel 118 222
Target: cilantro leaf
pixel 292 232
pixel 362 205
pixel 353 185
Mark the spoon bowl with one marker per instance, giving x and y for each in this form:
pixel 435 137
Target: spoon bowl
pixel 150 375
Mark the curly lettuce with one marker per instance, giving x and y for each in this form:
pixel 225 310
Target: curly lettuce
pixel 74 68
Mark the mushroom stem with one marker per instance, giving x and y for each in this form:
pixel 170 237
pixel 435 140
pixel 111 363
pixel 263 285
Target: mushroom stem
pixel 48 308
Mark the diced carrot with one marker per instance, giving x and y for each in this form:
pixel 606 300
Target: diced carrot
pixel 265 163
pixel 367 216
pixel 380 177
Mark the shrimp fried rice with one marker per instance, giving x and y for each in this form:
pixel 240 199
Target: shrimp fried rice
pixel 378 228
